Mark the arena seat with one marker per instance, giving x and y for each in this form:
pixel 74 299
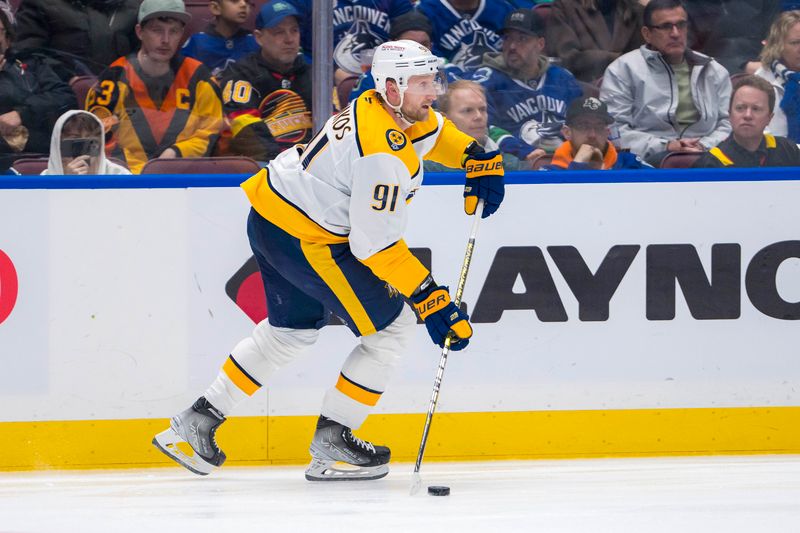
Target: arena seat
pixel 541 161
pixel 201 16
pixel 31 166
pixel 543 10
pixel 202 165
pixel 344 88
pixel 680 159
pixel 80 86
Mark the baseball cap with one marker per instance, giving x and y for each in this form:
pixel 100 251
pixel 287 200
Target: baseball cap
pixel 526 21
pixel 588 107
pixel 163 8
pixel 410 21
pixel 272 13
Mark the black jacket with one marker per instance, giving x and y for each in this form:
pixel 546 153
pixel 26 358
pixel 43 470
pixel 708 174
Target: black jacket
pixel 85 34
pixel 773 152
pixel 33 90
pixel 269 111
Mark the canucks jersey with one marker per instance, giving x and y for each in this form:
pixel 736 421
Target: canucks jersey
pixel 351 184
pixel 532 110
pixel 217 52
pixel 357 25
pixel 462 39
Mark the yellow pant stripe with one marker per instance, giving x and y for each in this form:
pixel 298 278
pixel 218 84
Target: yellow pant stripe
pixel 239 377
pixel 320 259
pixel 357 392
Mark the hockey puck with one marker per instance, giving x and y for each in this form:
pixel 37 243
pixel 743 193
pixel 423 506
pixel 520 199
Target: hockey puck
pixel 438 490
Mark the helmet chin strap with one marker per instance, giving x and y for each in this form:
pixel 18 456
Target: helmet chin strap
pixel 398 109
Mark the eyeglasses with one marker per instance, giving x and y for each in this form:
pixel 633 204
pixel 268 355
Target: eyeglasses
pixel 681 25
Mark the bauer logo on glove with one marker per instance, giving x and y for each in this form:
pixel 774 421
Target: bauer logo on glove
pixel 442 317
pixel 485 173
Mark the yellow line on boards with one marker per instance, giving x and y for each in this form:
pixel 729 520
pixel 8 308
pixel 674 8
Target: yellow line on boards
pixel 87 444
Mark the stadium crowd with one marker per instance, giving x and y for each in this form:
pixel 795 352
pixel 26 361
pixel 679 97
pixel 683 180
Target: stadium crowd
pixel 567 84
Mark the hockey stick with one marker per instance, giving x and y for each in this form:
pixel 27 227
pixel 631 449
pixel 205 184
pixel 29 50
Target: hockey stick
pixel 416 479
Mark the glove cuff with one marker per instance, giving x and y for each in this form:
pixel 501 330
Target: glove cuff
pixel 490 164
pixel 430 301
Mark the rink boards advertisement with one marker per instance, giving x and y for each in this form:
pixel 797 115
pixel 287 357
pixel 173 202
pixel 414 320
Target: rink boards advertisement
pixel 613 308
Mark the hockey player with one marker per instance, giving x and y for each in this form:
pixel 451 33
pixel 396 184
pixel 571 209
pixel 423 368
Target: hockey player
pixel 326 227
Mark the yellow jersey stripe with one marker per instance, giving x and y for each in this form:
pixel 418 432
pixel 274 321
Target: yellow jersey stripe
pixel 724 159
pixel 770 140
pixel 241 122
pixel 239 377
pixel 357 392
pixel 397 266
pixel 321 260
pixel 270 205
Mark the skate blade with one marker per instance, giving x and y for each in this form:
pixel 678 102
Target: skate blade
pixel 326 470
pixel 168 440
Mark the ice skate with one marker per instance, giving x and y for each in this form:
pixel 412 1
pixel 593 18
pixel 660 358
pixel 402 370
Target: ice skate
pixel 338 455
pixel 197 427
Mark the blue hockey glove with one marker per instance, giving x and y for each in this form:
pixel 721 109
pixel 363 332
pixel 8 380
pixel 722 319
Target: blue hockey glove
pixel 441 316
pixel 484 180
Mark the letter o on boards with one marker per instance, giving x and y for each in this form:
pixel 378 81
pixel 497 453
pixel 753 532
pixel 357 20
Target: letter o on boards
pixel 8 286
pixel 761 283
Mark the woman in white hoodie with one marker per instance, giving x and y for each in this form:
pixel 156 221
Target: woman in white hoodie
pixel 76 147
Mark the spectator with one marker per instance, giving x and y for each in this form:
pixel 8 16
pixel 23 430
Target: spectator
pixel 357 25
pixel 752 103
pixel 527 96
pixel 780 66
pixel 587 146
pixel 267 95
pixel 664 96
pixel 412 26
pixel 31 98
pixel 465 105
pixel 589 34
pixel 731 31
pixel 464 30
pixel 224 40
pixel 77 36
pixel 157 103
pixel 76 147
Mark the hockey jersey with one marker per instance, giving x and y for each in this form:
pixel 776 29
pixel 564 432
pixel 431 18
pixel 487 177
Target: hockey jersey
pixel 352 181
pixel 531 110
pixel 357 25
pixel 217 52
pixel 463 39
pixel 147 115
pixel 268 111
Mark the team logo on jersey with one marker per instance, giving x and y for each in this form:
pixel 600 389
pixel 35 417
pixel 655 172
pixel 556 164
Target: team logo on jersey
pixel 395 139
pixel 286 116
pixel 358 38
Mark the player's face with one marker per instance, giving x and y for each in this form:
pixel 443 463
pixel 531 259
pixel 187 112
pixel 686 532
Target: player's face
pixel 234 11
pixel 469 113
pixel 587 130
pixel 160 38
pixel 749 113
pixel 419 96
pixel 521 51
pixel 280 44
pixel 791 48
pixel 668 33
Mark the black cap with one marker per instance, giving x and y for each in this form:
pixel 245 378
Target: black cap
pixel 410 21
pixel 588 107
pixel 525 20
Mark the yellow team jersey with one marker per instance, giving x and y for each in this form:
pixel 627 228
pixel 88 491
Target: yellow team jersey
pixel 352 182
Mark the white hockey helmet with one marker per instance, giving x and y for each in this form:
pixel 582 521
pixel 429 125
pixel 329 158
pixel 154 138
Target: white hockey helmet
pixel 400 60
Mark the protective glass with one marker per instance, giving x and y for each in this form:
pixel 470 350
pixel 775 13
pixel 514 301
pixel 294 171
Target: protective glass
pixel 78 147
pixel 427 84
